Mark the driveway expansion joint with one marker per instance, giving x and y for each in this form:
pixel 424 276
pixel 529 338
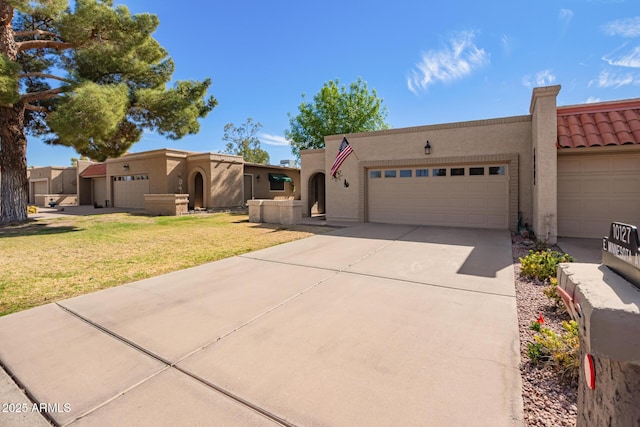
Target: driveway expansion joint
pixel 169 365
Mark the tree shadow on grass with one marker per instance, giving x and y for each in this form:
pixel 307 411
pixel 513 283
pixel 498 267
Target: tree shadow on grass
pixel 34 228
pixel 313 229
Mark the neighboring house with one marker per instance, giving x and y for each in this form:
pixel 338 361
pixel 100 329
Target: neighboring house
pixel 212 181
pixel 567 171
pixel 52 184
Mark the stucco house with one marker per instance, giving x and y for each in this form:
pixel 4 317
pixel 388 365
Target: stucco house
pixel 53 184
pixel 160 180
pixel 560 171
pixel 211 181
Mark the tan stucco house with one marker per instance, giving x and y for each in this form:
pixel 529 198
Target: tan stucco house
pixel 52 184
pixel 560 171
pixel 210 180
pixel 160 180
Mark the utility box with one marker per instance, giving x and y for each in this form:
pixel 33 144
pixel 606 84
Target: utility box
pixel 606 306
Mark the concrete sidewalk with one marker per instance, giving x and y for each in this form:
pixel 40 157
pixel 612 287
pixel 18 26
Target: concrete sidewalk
pixel 368 325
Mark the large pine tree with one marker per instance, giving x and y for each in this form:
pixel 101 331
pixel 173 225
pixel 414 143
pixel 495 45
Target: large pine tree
pixel 92 78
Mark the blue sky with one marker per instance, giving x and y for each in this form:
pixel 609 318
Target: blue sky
pixel 431 62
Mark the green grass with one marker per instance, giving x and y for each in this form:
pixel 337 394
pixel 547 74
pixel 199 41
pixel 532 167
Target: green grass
pixel 48 260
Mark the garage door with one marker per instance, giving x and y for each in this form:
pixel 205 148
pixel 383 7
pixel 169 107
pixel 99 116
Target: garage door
pixel 594 191
pixel 129 191
pixel 38 187
pixel 461 196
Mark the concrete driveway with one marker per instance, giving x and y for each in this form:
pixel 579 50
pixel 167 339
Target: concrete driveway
pixel 374 325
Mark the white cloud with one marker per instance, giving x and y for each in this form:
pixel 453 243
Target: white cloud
pixel 507 44
pixel 565 15
pixel 453 62
pixel 629 27
pixel 273 140
pixel 612 79
pixel 592 100
pixel 629 58
pixel 541 78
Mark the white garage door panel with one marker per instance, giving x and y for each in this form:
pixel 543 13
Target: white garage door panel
pixel 40 187
pixel 594 191
pixel 466 201
pixel 128 192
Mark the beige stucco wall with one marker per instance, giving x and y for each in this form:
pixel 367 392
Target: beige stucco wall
pixel 261 187
pixel 223 178
pixel 455 143
pixel 544 138
pixel 83 184
pixel 173 172
pixel 312 162
pixel 61 180
pixel 163 167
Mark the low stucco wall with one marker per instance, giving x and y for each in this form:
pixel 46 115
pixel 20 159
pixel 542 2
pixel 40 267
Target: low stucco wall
pixel 286 212
pixel 166 204
pixel 607 309
pixel 59 199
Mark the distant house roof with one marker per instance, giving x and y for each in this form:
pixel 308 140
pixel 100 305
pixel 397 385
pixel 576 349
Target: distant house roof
pixel 599 124
pixel 97 169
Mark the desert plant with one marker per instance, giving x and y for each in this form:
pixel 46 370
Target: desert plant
pixel 536 352
pixel 561 350
pixel 543 265
pixel 551 291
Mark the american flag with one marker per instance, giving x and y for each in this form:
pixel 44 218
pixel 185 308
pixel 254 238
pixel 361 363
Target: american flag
pixel 343 153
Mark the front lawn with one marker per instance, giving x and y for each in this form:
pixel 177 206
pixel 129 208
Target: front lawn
pixel 49 260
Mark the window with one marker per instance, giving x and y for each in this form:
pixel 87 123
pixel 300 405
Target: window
pixel 476 171
pixel 276 185
pixel 422 172
pixel 440 172
pixel 457 171
pixel 131 178
pixel 496 170
pixel 375 174
pixel 277 180
pixel 390 174
pixel 405 173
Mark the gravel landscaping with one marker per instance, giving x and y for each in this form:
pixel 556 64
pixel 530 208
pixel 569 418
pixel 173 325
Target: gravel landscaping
pixel 548 401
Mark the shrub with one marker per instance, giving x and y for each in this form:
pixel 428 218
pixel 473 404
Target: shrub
pixel 536 352
pixel 561 350
pixel 551 291
pixel 535 326
pixel 32 209
pixel 542 265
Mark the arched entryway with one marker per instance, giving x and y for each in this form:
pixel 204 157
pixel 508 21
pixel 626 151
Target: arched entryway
pixel 198 191
pixel 317 194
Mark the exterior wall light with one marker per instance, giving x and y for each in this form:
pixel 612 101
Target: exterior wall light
pixel 427 148
pixel 258 178
pixel 125 166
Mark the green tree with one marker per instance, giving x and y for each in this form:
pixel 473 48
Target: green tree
pixel 89 77
pixel 242 141
pixel 335 110
pixel 74 160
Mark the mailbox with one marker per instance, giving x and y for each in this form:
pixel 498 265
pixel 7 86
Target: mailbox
pixel 605 302
pixel 620 252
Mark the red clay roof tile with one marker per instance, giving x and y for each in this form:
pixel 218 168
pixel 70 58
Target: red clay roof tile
pixel 599 124
pixel 96 169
